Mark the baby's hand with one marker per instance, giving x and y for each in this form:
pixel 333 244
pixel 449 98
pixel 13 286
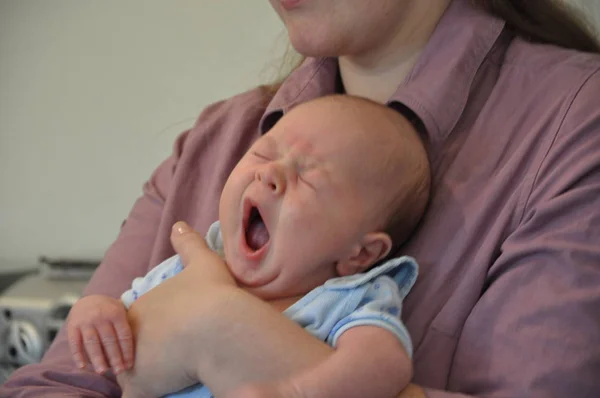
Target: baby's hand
pixel 99 333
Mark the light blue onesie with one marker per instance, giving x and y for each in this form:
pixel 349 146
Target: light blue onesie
pixel 373 298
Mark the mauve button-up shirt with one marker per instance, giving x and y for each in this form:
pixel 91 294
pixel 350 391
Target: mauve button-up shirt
pixel 507 303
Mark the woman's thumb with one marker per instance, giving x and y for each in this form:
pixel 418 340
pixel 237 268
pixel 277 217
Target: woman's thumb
pixel 186 241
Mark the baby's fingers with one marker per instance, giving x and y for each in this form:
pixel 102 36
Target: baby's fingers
pixel 125 339
pixel 76 347
pixel 111 345
pixel 93 348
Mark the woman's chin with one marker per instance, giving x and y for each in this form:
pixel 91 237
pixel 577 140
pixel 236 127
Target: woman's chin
pixel 307 44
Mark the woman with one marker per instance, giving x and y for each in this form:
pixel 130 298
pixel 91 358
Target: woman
pixel 505 94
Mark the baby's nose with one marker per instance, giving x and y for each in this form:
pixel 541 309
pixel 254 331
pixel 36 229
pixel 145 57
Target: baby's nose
pixel 272 177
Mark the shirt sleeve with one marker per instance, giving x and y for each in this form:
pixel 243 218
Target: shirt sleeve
pixel 381 306
pixel 169 268
pixel 141 285
pixel 535 331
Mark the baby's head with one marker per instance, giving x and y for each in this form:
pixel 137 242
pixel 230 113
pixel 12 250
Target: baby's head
pixel 335 186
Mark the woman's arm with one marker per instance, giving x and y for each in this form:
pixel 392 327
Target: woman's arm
pixel 206 306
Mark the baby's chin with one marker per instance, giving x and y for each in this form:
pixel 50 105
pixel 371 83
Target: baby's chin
pixel 263 292
pixel 267 291
pixel 255 281
pixel 281 300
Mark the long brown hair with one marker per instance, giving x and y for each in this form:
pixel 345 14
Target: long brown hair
pixel 545 21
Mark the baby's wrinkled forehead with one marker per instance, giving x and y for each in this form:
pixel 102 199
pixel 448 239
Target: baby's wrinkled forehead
pixel 324 122
pixel 354 131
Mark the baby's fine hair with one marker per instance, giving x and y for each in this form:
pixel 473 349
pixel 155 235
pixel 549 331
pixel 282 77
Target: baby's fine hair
pixel 401 176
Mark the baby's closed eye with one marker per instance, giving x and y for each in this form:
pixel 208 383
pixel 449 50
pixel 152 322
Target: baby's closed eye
pixel 260 155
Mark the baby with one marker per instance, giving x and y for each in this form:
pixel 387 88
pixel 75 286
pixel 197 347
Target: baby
pixel 310 214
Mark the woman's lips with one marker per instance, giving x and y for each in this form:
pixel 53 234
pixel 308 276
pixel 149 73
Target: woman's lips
pixel 290 4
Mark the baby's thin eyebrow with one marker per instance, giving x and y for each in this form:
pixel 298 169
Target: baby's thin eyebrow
pixel 306 153
pixel 301 150
pixel 270 141
pixel 308 162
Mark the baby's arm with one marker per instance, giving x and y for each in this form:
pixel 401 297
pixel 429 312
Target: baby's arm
pixel 372 345
pixel 99 332
pixel 369 361
pixel 157 275
pixel 372 348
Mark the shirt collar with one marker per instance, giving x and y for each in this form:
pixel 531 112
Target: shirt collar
pixel 314 78
pixel 459 45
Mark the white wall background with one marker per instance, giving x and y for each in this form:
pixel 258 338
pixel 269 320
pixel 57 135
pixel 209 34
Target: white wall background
pixel 92 94
pixel 591 10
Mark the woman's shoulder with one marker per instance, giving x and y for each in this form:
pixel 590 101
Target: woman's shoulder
pixel 553 65
pixel 549 85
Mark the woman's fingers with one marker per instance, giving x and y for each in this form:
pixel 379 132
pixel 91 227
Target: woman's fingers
pixel 186 241
pixel 202 265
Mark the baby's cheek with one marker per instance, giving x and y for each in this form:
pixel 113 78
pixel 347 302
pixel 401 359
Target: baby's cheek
pixel 303 210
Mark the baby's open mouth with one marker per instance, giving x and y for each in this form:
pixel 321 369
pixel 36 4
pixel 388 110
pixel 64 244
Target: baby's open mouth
pixel 257 235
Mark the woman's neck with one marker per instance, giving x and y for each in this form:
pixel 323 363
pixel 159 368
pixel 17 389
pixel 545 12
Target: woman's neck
pixel 377 74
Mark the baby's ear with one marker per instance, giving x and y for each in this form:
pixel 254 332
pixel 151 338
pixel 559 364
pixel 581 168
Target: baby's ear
pixel 371 248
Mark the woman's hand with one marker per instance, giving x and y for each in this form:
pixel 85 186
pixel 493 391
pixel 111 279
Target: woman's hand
pixel 199 260
pixel 166 319
pixel 198 325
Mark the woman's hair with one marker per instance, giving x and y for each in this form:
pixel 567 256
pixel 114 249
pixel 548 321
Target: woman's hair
pixel 545 21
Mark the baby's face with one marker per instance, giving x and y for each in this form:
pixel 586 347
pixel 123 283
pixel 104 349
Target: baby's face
pixel 296 202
